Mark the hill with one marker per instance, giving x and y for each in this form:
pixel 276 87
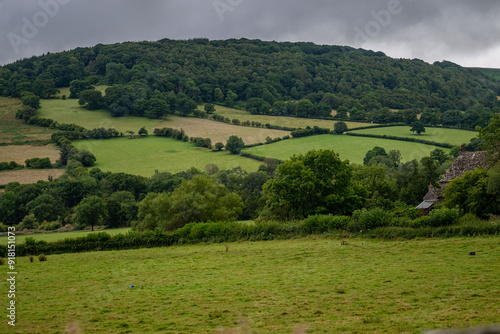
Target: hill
pixel 262 77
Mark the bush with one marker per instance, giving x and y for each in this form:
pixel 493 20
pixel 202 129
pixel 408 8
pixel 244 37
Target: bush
pixel 38 163
pixel 42 257
pixel 325 223
pixel 49 226
pixel 369 219
pixel 438 217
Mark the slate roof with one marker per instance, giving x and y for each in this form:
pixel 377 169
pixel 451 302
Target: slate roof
pixel 467 161
pixel 426 204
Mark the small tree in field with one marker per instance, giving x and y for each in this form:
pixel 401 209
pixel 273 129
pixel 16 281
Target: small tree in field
pixel 219 146
pixel 339 128
pixel 143 131
pixel 417 127
pixel 235 144
pixel 90 211
pixel 209 108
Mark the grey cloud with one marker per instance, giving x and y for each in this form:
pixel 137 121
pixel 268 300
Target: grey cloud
pixel 458 30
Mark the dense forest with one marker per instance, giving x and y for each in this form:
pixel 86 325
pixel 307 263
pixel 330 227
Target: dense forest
pixel 294 79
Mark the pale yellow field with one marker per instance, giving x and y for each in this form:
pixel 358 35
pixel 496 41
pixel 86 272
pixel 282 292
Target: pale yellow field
pixel 218 131
pixel 19 153
pixel 26 176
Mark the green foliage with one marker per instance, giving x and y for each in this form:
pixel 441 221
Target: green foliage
pixel 490 136
pixel 417 127
pixel 38 163
pixel 374 152
pixel 209 108
pixel 219 146
pixel 339 128
pixel 78 86
pixel 200 199
pixel 234 144
pixel 31 100
pixel 317 182
pixel 369 219
pixel 91 99
pixel 10 165
pixel 90 211
pixel 143 131
pixel 438 217
pixel 325 223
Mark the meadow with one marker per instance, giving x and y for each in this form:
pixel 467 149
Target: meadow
pixel 321 285
pixel 440 135
pixel 13 130
pixel 291 122
pixel 145 155
pixel 348 147
pixel 54 236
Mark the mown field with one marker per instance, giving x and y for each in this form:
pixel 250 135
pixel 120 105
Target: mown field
pixel 494 72
pixel 27 176
pixel 317 284
pixel 54 236
pixel 291 122
pixel 19 153
pixel 145 155
pixel 439 135
pixel 15 130
pixel 348 147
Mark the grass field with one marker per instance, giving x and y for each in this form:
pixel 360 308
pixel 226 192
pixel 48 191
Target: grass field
pixel 26 176
pixel 494 72
pixel 143 156
pixel 348 147
pixel 271 287
pixel 54 236
pixel 19 153
pixel 292 122
pixel 15 130
pixel 440 135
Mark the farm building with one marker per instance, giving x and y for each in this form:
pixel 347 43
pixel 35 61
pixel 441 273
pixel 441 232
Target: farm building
pixel 466 161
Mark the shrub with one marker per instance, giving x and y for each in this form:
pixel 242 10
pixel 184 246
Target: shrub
pixel 42 257
pixel 438 217
pixel 32 258
pixel 369 219
pixel 325 223
pixel 49 226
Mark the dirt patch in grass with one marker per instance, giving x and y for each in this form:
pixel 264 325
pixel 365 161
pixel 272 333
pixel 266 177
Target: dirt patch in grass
pixel 19 153
pixel 27 176
pixel 220 132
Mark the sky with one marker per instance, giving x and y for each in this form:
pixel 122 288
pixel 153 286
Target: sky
pixel 462 31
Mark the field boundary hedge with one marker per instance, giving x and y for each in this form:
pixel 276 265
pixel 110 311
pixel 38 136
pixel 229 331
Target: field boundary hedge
pixel 193 233
pixel 408 139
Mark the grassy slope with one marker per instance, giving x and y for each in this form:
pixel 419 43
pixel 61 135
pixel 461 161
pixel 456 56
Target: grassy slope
pixel 348 147
pixel 292 122
pixel 54 236
pixel 375 287
pixel 440 135
pixel 494 72
pixel 15 130
pixel 143 156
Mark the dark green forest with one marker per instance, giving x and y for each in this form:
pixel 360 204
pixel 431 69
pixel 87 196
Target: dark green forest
pixel 294 79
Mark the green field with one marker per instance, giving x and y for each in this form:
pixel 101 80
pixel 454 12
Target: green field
pixel 440 135
pixel 291 122
pixel 145 155
pixel 54 236
pixel 348 147
pixel 363 286
pixel 494 72
pixel 68 111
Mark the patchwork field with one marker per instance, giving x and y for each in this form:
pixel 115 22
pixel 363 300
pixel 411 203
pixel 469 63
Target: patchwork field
pixel 68 111
pixel 19 153
pixel 292 122
pixel 440 135
pixel 348 147
pixel 15 130
pixel 143 156
pixel 26 176
pixel 318 284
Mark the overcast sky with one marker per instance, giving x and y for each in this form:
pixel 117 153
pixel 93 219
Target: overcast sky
pixel 463 31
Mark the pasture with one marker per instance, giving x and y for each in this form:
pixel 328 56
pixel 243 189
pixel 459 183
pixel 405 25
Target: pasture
pixel 348 147
pixel 54 236
pixel 440 135
pixel 318 284
pixel 27 176
pixel 15 130
pixel 291 122
pixel 145 155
